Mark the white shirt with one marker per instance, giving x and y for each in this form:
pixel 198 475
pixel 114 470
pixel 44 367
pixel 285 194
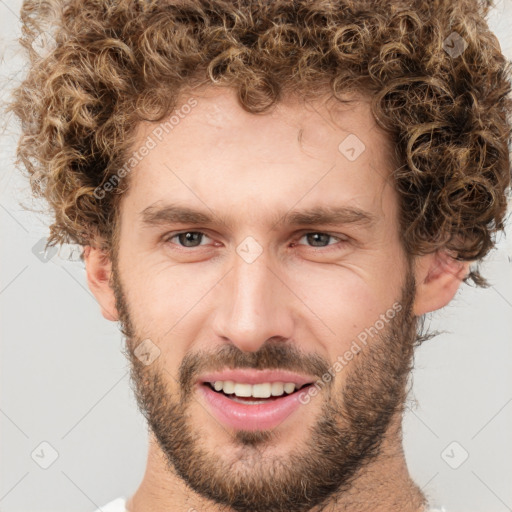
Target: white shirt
pixel 118 505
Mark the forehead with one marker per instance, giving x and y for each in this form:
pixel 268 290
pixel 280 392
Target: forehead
pixel 217 115
pixel 210 147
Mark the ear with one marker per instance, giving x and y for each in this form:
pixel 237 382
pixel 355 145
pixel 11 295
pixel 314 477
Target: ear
pixel 438 277
pixel 98 267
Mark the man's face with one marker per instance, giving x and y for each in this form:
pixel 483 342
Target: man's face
pixel 251 291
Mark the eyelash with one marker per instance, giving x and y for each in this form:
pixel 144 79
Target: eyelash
pixel 169 236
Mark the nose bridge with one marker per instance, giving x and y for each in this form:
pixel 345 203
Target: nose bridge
pixel 251 309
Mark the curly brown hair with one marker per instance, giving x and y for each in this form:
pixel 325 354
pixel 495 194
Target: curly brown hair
pixel 118 62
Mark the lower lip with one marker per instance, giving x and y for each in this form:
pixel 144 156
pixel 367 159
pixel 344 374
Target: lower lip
pixel 251 416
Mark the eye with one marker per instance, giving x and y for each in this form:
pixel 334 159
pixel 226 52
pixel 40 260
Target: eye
pixel 318 239
pixel 186 238
pixel 192 239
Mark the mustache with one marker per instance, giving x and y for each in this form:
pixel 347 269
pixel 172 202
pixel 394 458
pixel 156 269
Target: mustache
pixel 275 354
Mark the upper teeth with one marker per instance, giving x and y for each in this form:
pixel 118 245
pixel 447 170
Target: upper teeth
pixel 263 390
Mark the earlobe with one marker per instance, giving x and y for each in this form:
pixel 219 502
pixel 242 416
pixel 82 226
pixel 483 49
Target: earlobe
pixel 438 277
pixel 98 267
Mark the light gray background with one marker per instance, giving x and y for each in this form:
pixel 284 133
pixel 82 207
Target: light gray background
pixel 65 382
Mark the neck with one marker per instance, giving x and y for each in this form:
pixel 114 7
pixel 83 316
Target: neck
pixel 384 485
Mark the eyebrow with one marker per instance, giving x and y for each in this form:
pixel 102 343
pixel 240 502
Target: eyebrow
pixel 329 215
pixel 174 214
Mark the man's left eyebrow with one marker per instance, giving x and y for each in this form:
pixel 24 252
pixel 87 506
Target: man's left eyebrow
pixel 329 216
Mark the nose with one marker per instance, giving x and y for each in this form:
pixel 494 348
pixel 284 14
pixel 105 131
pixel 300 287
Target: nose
pixel 254 305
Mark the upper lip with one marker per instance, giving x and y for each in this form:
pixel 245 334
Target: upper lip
pixel 249 376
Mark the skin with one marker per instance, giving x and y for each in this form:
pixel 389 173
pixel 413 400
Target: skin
pixel 315 296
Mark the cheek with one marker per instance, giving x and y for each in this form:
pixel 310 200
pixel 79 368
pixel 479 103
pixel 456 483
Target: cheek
pixel 346 300
pixel 170 301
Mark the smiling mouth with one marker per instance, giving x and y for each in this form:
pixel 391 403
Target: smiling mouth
pixel 255 393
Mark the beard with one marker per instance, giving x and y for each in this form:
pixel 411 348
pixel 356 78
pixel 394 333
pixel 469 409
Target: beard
pixel 347 436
